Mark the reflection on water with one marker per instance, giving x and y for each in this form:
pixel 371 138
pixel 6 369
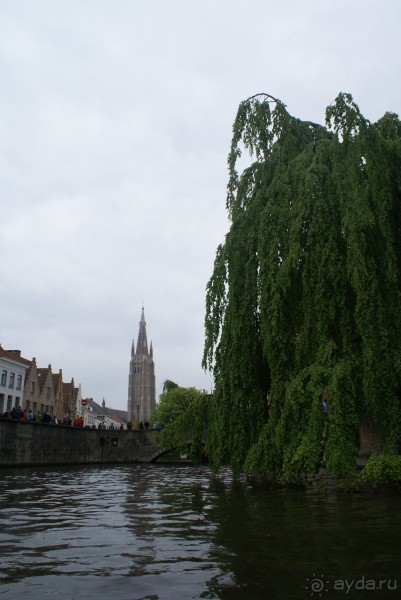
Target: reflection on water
pixel 166 532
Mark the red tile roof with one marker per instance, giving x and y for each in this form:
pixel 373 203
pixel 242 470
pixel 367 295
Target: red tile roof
pixel 14 357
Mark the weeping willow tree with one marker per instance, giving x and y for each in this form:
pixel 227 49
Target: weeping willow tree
pixel 305 297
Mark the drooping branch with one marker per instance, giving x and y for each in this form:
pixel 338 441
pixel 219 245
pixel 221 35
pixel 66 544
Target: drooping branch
pixel 268 97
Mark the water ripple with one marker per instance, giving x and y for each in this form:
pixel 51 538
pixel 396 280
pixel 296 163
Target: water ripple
pixel 160 532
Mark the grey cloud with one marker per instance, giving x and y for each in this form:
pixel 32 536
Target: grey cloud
pixel 115 124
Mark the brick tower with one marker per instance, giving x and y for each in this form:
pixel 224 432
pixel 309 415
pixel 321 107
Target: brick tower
pixel 141 386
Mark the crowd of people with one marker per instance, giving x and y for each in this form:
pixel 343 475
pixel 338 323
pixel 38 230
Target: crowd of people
pixel 17 413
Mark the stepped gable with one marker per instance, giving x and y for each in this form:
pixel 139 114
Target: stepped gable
pixel 57 379
pixel 68 388
pixel 43 375
pixel 31 367
pixel 68 398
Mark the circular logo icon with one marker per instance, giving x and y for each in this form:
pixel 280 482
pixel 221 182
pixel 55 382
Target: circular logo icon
pixel 316 585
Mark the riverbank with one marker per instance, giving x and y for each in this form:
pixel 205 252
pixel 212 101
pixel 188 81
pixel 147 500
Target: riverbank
pixel 27 444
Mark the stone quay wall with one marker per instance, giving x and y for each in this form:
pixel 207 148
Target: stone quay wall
pixel 28 444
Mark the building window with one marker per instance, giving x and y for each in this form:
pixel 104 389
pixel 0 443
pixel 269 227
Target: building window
pixel 9 402
pixel 18 401
pixel 3 377
pixel 34 408
pixel 32 387
pixel 42 409
pixel 28 405
pixel 1 403
pixel 19 382
pixel 12 380
pixel 48 393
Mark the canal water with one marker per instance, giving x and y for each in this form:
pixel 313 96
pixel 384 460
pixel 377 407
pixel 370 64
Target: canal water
pixel 165 532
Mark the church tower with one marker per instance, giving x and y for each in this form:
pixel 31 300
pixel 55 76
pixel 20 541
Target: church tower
pixel 141 386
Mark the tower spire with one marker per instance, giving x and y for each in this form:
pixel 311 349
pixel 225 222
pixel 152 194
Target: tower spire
pixel 142 344
pixel 141 382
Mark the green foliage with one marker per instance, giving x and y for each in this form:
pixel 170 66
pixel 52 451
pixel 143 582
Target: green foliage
pixel 305 294
pixel 382 469
pixel 169 385
pixel 183 413
pixel 172 403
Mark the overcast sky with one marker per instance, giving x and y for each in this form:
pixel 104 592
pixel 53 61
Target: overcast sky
pixel 115 125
